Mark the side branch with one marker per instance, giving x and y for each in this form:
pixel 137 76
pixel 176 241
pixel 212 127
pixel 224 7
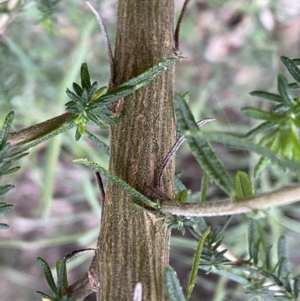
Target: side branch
pixel 276 198
pixel 38 130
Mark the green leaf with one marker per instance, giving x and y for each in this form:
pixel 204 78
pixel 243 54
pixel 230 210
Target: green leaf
pixel 280 108
pixel 252 230
pixel 261 128
pixel 275 279
pixel 245 144
pixel 242 186
pixel 268 263
pixel 77 89
pixel 62 279
pixel 98 142
pixel 46 269
pixel 291 65
pixel 137 82
pixel 259 114
pixel 4 226
pixel 294 86
pixel 99 93
pixel 296 288
pixel 172 285
pixel 85 77
pixel 283 90
pixel 119 182
pixel 181 196
pixel 296 61
pixel 6 128
pixel 204 187
pixel 260 166
pixel 284 268
pixel 44 296
pixel 266 95
pixel 4 207
pixel 4 189
pixel 200 148
pixel 196 263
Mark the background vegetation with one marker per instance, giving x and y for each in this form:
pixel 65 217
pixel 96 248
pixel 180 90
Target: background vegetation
pixel 230 47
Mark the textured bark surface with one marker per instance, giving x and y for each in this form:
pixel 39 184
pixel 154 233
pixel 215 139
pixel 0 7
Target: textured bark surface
pixel 134 245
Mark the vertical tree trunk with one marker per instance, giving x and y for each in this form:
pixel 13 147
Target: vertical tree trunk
pixel 134 245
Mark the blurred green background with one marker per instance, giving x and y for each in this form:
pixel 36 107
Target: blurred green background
pixel 230 48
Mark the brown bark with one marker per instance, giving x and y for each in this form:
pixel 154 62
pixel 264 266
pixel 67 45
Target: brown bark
pixel 134 245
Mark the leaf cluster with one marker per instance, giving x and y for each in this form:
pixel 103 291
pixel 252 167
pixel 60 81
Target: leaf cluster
pixel 82 104
pixel 6 163
pixel 267 276
pixel 281 124
pixel 60 289
pixel 90 104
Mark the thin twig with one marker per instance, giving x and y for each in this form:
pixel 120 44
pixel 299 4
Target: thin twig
pixel 178 25
pixel 79 252
pixel 101 189
pixel 275 198
pixel 106 42
pixel 174 149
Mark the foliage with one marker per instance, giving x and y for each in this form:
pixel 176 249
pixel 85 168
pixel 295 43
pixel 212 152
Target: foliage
pixel 94 105
pixel 6 162
pixel 60 289
pixel 257 270
pixel 281 125
pixel 260 274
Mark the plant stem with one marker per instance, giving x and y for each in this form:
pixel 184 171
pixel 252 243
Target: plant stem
pixel 38 130
pixel 133 246
pixel 276 198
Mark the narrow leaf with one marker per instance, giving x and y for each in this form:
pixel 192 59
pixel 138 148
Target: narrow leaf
pixel 296 288
pixel 296 61
pixel 252 237
pixel 172 285
pixel 44 296
pixel 266 95
pixel 284 268
pixel 46 269
pixel 204 187
pixel 268 263
pixel 4 189
pixel 196 263
pixel 280 108
pixel 259 114
pixel 283 90
pixel 98 142
pixel 77 89
pixel 200 148
pixel 261 128
pixel 62 280
pixel 118 181
pixel 85 77
pixel 99 93
pixel 244 144
pixel 4 207
pixel 294 86
pixel 242 186
pixel 137 82
pixel 6 128
pixel 291 65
